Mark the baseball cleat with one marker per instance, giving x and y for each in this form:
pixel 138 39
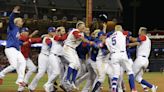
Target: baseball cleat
pixel 68 82
pixel 146 89
pixel 1 81
pixel 154 88
pixel 46 88
pixel 74 87
pixel 134 90
pixel 31 90
pixel 23 84
pixel 113 90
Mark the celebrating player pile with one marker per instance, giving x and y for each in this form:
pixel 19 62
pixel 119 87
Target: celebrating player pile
pixel 77 56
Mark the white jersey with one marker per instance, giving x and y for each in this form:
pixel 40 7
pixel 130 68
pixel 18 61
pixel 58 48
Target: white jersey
pixel 71 40
pixel 116 42
pixel 102 57
pixel 56 47
pixel 144 48
pixel 45 48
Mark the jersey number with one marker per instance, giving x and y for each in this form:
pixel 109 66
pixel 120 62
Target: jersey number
pixel 114 40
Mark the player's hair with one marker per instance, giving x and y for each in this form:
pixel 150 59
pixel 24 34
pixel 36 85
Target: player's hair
pixel 17 19
pixel 118 28
pixel 143 29
pixel 60 28
pixel 79 23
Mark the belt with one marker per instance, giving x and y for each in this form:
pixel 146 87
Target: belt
pixel 45 54
pixel 119 51
pixel 57 55
pixel 70 46
pixel 13 47
pixel 144 56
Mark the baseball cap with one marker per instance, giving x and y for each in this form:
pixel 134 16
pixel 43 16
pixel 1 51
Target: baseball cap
pixel 51 29
pixel 101 33
pixel 103 17
pixel 25 29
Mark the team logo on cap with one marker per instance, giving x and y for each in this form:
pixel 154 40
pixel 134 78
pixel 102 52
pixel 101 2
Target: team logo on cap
pixel 51 29
pixel 24 29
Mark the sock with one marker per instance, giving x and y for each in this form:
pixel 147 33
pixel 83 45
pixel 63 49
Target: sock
pixel 70 70
pixel 114 83
pixel 131 82
pixel 97 85
pixel 74 75
pixel 144 82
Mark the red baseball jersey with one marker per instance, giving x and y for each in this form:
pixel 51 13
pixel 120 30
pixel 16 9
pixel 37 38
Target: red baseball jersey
pixel 25 49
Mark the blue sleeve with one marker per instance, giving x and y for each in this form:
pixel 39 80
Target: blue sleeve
pixel 138 39
pixel 11 21
pixel 96 41
pixel 20 42
pixel 132 50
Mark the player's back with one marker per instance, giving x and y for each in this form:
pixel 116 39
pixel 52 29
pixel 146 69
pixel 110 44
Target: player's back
pixel 144 48
pixel 116 42
pixel 45 48
pixel 56 47
pixel 71 40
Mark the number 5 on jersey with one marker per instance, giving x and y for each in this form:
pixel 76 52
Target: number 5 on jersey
pixel 114 40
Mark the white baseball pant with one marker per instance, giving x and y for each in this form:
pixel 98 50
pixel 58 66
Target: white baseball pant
pixel 43 66
pixel 55 67
pixel 92 76
pixel 70 54
pixel 120 59
pixel 139 65
pixel 17 61
pixel 31 68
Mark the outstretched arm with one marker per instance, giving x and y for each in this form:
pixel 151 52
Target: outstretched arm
pixel 33 34
pixel 133 44
pixel 11 17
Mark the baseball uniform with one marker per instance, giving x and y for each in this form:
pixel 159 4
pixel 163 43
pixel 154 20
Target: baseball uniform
pixel 116 44
pixel 12 50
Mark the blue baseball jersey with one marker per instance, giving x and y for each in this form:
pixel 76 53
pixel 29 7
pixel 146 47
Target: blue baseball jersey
pixel 83 51
pixel 110 33
pixel 95 49
pixel 129 50
pixel 13 34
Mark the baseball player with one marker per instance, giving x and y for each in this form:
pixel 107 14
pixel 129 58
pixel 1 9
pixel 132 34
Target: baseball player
pixel 25 49
pixel 91 61
pixel 116 44
pixel 43 59
pixel 12 50
pixel 75 37
pixel 54 57
pixel 143 44
pixel 102 59
pixel 82 51
pixel 97 65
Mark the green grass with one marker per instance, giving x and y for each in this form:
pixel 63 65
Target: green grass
pixel 156 78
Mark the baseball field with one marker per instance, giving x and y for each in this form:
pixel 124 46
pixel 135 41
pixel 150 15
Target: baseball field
pixel 153 77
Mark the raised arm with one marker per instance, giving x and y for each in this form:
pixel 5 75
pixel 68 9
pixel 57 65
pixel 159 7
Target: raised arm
pixel 11 17
pixel 33 34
